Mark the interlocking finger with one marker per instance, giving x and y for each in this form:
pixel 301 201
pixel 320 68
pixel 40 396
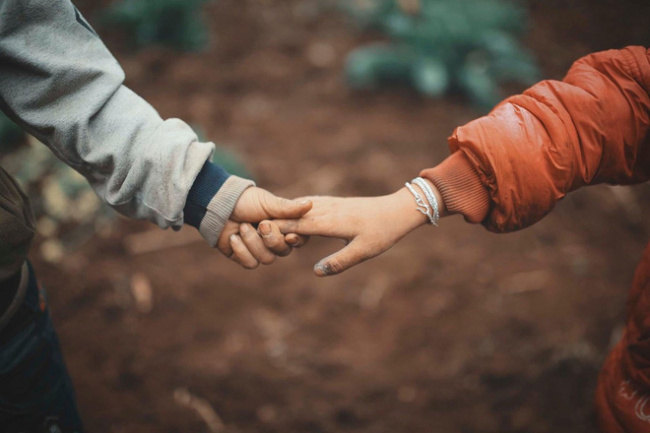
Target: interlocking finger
pixel 273 239
pixel 255 244
pixel 241 254
pixel 296 241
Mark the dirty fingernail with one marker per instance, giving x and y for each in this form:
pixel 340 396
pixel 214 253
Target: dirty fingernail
pixel 265 228
pixel 321 270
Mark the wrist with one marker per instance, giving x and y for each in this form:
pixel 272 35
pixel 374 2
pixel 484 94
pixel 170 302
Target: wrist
pixel 442 209
pixel 206 185
pixel 406 207
pixel 220 209
pixel 406 210
pixel 464 192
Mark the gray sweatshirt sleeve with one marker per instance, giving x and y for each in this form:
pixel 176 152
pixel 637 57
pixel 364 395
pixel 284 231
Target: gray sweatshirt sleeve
pixel 59 81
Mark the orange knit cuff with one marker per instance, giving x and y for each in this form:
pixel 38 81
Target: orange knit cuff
pixel 460 187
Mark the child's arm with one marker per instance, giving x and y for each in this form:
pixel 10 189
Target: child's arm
pixel 59 82
pixel 510 167
pixel 534 148
pixel 368 225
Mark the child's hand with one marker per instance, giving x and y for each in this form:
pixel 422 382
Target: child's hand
pixel 240 241
pixel 369 226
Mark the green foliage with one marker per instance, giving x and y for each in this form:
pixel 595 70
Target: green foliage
pixel 177 24
pixel 68 212
pixel 230 161
pixel 227 158
pixel 58 192
pixel 438 45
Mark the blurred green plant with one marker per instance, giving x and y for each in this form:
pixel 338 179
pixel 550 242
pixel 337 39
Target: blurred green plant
pixel 58 192
pixel 439 45
pixel 227 158
pixel 63 195
pixel 231 162
pixel 177 24
pixel 67 210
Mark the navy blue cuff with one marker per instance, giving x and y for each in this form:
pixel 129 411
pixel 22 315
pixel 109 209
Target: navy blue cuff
pixel 205 187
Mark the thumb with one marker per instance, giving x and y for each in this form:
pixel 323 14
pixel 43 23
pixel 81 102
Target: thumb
pixel 351 255
pixel 278 207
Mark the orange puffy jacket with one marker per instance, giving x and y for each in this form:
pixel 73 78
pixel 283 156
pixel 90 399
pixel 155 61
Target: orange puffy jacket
pixel 509 168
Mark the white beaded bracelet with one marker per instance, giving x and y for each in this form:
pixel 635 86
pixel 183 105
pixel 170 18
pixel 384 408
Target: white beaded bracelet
pixel 423 207
pixel 431 197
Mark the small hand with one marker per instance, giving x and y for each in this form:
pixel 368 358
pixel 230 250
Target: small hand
pixel 242 243
pixel 369 226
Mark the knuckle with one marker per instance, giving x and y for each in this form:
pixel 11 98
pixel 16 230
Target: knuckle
pixel 276 244
pixel 267 259
pixel 225 249
pixel 289 226
pixel 250 265
pixel 284 252
pixel 248 234
pixel 264 201
pixel 301 241
pixel 271 241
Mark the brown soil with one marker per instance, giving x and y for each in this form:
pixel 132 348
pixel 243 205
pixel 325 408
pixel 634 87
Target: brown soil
pixel 453 330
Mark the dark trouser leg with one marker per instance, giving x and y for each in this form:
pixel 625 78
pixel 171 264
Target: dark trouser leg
pixel 36 394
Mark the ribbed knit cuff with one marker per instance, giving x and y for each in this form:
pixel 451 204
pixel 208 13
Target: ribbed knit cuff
pixel 220 208
pixel 212 199
pixel 209 180
pixel 460 187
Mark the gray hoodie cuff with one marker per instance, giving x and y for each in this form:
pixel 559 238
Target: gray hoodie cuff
pixel 221 207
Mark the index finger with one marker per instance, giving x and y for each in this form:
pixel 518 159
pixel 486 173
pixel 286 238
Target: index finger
pixel 303 226
pixel 273 239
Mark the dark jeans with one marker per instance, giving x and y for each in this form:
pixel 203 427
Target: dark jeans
pixel 36 393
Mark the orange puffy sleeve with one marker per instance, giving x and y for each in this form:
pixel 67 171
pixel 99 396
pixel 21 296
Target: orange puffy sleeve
pixel 509 168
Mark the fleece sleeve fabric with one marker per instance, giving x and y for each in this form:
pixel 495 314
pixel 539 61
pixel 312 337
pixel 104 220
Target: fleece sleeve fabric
pixel 534 148
pixel 59 82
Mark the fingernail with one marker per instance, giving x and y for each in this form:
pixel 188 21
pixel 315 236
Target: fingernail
pixel 234 238
pixel 265 228
pixel 244 227
pixel 291 240
pixel 321 269
pixel 304 202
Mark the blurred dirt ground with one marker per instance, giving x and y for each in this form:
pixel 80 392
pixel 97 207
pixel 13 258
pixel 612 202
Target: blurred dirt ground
pixel 453 330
